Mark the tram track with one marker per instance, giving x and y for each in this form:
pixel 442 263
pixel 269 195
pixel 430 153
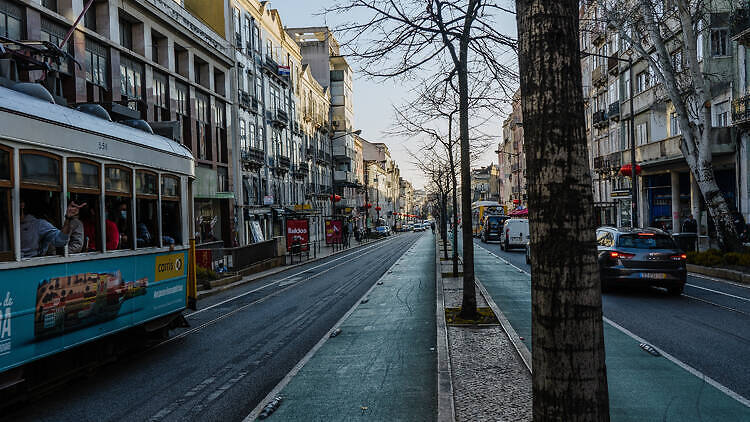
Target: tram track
pixel 233 306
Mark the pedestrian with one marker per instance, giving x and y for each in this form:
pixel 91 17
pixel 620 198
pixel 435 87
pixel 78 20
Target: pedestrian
pixel 690 225
pixel 346 234
pixel 37 234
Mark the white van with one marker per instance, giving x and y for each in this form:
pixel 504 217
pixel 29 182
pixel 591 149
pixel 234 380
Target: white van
pixel 515 233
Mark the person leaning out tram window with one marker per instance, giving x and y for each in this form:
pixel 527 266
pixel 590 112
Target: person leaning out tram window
pixel 38 234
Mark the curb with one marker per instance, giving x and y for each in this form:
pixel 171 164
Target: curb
pixel 445 407
pixel 730 275
pixel 203 294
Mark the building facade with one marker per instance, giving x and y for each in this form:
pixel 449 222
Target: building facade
pixel 511 157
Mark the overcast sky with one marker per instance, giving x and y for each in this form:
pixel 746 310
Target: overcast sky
pixel 374 99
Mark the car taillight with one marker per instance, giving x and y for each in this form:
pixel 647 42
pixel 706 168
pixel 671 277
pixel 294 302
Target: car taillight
pixel 681 257
pixel 620 255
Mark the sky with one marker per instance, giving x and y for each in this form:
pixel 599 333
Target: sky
pixel 374 99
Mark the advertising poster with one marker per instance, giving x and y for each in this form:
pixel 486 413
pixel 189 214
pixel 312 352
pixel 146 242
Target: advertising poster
pixel 297 233
pixel 333 231
pixel 256 231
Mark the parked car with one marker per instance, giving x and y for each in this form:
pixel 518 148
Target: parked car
pixel 515 233
pixel 640 256
pixel 383 231
pixel 492 228
pixel 418 227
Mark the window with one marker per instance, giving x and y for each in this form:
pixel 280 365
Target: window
pixel 84 187
pixel 183 113
pixel 248 35
pixel 626 84
pixel 11 16
pixel 89 19
pixel 161 99
pixel 6 219
pixel 51 5
pixel 258 88
pixel 612 92
pixel 96 63
pixel 243 136
pixel 40 200
pixel 223 180
pixel 202 126
pixel 171 223
pixel 641 82
pixel 721 114
pixel 146 200
pixel 55 33
pixel 252 139
pixel 118 219
pixel 131 77
pixel 237 27
pixel 220 130
pixel 719 41
pixel 641 134
pixel 699 40
pixel 126 34
pixel 256 38
pixel 674 124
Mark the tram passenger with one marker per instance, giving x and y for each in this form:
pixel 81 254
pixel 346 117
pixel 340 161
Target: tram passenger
pixel 144 236
pixel 113 233
pixel 75 244
pixel 89 228
pixel 38 234
pixel 123 224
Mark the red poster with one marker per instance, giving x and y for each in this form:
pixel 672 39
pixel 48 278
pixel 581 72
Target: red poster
pixel 203 258
pixel 334 231
pixel 297 232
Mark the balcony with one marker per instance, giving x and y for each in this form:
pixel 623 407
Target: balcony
pixel 667 150
pixel 607 163
pixel 279 118
pixel 301 171
pixel 614 111
pixel 598 33
pixel 253 158
pixel 599 118
pixel 310 153
pixel 739 26
pixel 321 158
pixel 283 164
pixel 248 102
pixel 599 76
pixel 741 111
pixel 344 177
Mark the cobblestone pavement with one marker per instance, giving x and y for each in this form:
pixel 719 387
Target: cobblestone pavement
pixel 489 381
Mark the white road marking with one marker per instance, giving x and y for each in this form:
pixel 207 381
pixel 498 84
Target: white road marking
pixel 283 383
pixel 285 278
pixel 718 292
pixel 719 280
pixel 682 364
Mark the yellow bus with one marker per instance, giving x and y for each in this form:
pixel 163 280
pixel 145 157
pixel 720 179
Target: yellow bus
pixel 480 210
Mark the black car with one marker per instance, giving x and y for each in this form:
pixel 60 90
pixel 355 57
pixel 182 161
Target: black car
pixel 640 257
pixel 492 229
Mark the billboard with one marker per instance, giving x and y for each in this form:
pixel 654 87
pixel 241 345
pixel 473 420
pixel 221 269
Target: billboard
pixel 297 232
pixel 334 230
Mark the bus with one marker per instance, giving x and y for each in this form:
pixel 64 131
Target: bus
pixel 130 268
pixel 480 210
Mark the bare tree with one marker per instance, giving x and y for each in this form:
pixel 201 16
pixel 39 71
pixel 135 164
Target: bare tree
pixel 399 38
pixel 569 378
pixel 669 39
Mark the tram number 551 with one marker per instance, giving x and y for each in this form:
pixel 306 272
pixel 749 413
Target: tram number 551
pixel 102 146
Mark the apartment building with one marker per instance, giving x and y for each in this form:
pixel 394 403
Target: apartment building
pixel 381 176
pixel 667 192
pixel 485 183
pixel 511 158
pixel 320 51
pixel 150 60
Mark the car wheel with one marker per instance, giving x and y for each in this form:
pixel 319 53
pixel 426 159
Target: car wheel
pixel 676 290
pixel 502 246
pixel 507 246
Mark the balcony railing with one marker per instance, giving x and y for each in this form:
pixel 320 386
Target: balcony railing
pixel 614 111
pixel 740 26
pixel 279 118
pixel 599 118
pixel 253 158
pixel 248 102
pixel 284 162
pixel 301 170
pixel 599 76
pixel 741 110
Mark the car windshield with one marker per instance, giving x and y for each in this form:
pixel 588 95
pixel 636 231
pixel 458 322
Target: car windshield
pixel 494 223
pixel 646 241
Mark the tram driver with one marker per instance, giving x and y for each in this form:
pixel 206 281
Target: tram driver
pixel 38 234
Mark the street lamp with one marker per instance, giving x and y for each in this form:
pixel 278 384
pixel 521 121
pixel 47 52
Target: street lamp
pixel 633 178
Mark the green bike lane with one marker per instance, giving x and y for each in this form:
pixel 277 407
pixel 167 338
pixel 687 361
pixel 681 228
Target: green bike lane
pixel 642 387
pixel 382 364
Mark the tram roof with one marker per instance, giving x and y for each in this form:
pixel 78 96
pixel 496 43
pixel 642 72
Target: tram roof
pixel 35 108
pixel 486 204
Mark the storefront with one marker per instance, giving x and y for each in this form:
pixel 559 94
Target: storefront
pixel 213 209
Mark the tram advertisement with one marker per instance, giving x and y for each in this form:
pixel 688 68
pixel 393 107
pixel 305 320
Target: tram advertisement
pixel 45 309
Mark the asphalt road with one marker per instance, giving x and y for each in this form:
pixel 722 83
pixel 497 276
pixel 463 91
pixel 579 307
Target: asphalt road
pixel 708 327
pixel 239 345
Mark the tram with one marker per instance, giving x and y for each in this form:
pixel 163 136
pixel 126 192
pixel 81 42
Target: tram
pixel 130 267
pixel 480 210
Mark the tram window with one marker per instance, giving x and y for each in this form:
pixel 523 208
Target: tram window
pixel 41 169
pixel 6 219
pixel 171 223
pixel 146 198
pixel 40 209
pixel 84 187
pixel 118 218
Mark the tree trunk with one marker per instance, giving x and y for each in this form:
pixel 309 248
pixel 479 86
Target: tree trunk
pixel 469 301
pixel 569 378
pixel 454 184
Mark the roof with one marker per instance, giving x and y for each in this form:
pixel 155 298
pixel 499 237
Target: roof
pixel 21 104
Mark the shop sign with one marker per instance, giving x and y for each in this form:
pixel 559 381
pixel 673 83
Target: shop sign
pixel 297 233
pixel 268 200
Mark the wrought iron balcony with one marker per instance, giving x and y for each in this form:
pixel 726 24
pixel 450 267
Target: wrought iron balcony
pixel 599 118
pixel 740 26
pixel 301 170
pixel 614 111
pixel 741 110
pixel 283 164
pixel 279 118
pixel 613 64
pixel 253 158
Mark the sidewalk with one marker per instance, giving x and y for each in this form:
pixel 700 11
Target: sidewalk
pixel 382 364
pixel 641 387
